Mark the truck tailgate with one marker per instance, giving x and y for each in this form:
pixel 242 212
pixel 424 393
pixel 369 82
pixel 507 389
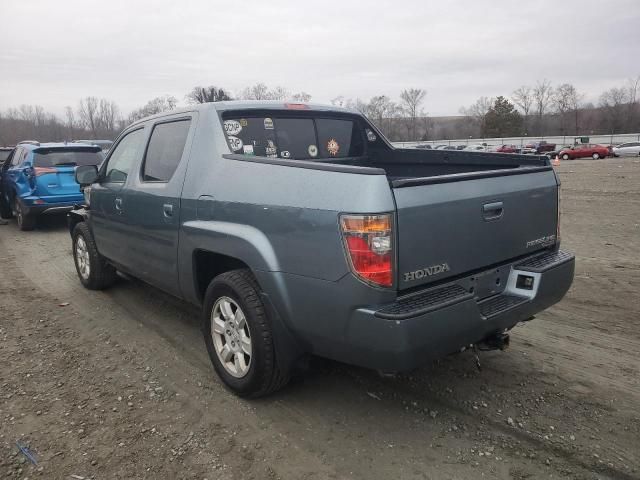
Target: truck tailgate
pixel 447 227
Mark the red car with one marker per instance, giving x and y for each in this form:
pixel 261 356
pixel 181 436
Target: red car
pixel 584 151
pixel 508 149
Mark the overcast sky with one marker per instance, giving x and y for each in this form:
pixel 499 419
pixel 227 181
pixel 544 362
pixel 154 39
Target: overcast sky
pixel 54 52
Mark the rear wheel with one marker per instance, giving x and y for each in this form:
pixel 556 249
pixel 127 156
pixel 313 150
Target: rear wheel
pixel 565 157
pixel 25 221
pixel 238 334
pixel 595 156
pixel 94 271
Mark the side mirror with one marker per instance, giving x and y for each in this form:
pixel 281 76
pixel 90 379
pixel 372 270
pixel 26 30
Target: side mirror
pixel 86 175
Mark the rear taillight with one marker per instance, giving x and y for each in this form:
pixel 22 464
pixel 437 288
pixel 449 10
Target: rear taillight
pixel 368 240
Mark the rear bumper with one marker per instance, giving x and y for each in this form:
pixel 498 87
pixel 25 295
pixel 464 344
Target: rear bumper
pixel 411 331
pixel 39 205
pixel 353 323
pixel 51 208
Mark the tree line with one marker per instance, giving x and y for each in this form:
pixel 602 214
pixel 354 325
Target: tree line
pixel 542 109
pixel 534 110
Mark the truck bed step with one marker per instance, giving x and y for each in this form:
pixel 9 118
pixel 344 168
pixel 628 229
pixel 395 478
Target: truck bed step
pixel 500 303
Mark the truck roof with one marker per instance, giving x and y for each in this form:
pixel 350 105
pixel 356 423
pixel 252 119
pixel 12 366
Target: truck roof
pixel 250 105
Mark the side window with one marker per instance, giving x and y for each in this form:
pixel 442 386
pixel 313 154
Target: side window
pixel 123 157
pixel 165 149
pixel 17 157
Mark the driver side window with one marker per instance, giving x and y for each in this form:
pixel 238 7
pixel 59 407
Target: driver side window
pixel 123 157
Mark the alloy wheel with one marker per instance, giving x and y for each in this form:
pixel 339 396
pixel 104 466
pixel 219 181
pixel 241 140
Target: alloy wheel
pixel 82 258
pixel 231 336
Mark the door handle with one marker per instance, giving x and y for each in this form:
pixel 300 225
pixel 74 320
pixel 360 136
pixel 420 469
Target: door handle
pixel 167 209
pixel 492 211
pixel 118 204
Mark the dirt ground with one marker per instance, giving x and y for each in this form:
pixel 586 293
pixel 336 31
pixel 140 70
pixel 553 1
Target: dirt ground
pixel 117 384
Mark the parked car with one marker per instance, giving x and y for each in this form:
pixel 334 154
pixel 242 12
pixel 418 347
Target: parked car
pixel 105 145
pixel 440 147
pixel 629 149
pixel 39 179
pixel 301 230
pixel 584 151
pixel 424 146
pixel 539 148
pixel 508 149
pixel 478 147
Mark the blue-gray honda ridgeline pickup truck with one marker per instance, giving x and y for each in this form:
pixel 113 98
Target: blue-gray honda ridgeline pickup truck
pixel 299 229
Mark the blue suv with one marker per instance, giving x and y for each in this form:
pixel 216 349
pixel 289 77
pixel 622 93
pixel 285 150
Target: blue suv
pixel 38 178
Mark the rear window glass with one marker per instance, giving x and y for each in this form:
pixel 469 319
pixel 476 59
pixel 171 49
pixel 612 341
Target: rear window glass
pixel 4 154
pixel 72 158
pixel 294 138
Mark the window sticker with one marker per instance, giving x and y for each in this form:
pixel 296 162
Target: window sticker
pixel 285 154
pixel 370 135
pixel 243 122
pixel 313 151
pixel 268 124
pixel 235 143
pixel 232 127
pixel 333 147
pixel 247 149
pixel 271 149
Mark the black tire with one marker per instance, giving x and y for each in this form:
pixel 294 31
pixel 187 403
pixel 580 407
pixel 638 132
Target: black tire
pixel 25 221
pixel 595 156
pixel 263 376
pixel 101 274
pixel 565 157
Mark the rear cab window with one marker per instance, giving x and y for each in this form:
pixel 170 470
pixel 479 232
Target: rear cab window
pixel 277 134
pixel 66 157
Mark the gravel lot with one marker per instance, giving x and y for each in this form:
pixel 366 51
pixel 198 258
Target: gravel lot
pixel 117 384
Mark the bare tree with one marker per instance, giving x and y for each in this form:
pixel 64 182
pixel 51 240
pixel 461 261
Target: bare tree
pixel 153 106
pixel 207 95
pixel 259 91
pixel 301 97
pixel 523 99
pixel 108 114
pixel 542 94
pixel 613 103
pixel 478 112
pixel 338 101
pixel 279 93
pixel 633 115
pixel 575 104
pixel 88 113
pixel 411 101
pixel 561 101
pixel 382 111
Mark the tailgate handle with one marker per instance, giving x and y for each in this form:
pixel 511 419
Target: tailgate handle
pixel 492 211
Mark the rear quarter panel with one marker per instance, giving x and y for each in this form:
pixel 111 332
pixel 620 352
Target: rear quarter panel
pixel 274 218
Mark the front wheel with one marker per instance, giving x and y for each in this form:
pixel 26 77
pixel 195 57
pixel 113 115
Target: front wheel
pixel 565 157
pixel 238 334
pixel 595 156
pixel 93 270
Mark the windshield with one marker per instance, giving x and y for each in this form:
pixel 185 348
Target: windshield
pixel 54 158
pixel 294 138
